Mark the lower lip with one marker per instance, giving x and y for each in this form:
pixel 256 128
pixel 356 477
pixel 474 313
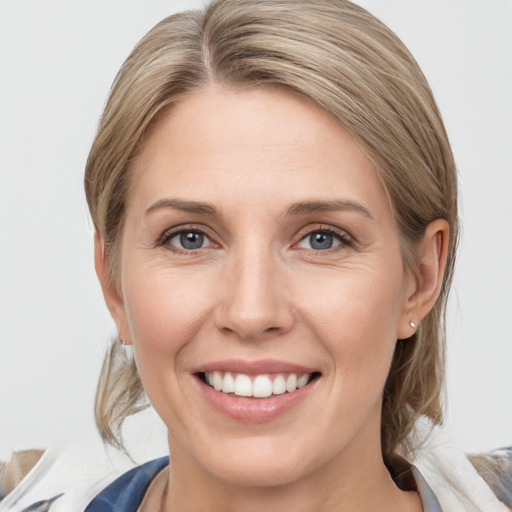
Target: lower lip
pixel 254 410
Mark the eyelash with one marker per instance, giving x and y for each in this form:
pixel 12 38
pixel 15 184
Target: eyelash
pixel 169 235
pixel 341 236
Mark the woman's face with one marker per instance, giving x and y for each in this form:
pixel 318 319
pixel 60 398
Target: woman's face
pixel 259 255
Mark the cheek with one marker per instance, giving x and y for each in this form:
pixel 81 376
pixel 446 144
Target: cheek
pixel 356 318
pixel 164 312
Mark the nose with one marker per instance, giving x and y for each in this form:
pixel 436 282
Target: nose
pixel 253 302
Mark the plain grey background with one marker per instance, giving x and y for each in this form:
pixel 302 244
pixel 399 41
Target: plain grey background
pixel 57 61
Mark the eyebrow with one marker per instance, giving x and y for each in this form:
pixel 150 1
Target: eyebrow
pixel 305 207
pixel 185 206
pixel 296 209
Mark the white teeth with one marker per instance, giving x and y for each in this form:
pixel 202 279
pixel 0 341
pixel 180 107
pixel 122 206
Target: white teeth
pixel 291 383
pixel 217 381
pixel 243 385
pixel 228 384
pixel 279 385
pixel 260 386
pixel 302 381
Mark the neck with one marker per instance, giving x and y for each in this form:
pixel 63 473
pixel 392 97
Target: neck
pixel 346 483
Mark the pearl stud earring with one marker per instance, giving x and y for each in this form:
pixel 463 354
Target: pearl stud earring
pixel 128 350
pixel 413 325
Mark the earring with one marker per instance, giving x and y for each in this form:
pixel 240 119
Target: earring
pixel 128 350
pixel 413 325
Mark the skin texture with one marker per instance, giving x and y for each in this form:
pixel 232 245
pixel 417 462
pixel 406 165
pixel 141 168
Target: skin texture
pixel 258 289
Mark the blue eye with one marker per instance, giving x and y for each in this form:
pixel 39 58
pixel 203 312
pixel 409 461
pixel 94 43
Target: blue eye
pixel 188 240
pixel 191 240
pixel 323 240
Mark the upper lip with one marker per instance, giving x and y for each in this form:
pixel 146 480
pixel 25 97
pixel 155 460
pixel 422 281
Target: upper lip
pixel 259 367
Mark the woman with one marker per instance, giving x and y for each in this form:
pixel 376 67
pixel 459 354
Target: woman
pixel 275 205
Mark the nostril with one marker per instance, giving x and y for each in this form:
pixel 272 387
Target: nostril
pixel 253 321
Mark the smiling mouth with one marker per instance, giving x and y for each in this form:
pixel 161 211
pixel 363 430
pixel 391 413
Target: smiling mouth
pixel 256 386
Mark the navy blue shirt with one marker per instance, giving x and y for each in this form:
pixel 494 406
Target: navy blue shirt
pixel 127 492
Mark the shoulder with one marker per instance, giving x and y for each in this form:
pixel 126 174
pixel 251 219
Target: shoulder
pixel 467 483
pixel 495 468
pixel 66 478
pixel 12 472
pixel 128 490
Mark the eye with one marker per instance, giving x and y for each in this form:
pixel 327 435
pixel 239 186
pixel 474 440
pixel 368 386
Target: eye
pixel 323 240
pixel 187 240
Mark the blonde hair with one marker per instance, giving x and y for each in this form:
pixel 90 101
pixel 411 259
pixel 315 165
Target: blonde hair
pixel 338 56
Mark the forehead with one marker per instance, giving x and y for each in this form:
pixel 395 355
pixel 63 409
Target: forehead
pixel 250 145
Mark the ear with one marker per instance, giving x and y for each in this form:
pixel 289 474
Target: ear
pixel 423 288
pixel 112 295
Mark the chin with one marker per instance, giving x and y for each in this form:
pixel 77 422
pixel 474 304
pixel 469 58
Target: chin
pixel 259 474
pixel 264 464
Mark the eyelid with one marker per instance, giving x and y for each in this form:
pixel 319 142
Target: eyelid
pixel 346 239
pixel 170 233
